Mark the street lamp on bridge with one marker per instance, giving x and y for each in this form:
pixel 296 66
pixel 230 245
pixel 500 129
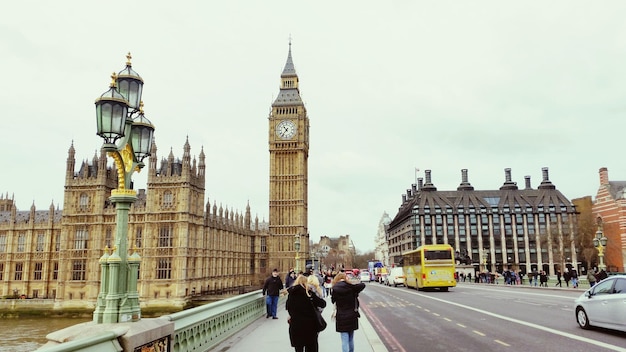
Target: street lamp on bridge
pixel 127 136
pixel 296 246
pixel 600 243
pixel 485 256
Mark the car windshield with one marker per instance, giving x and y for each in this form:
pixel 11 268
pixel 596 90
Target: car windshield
pixel 620 286
pixel 603 288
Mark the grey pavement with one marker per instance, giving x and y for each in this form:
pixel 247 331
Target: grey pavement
pixel 273 335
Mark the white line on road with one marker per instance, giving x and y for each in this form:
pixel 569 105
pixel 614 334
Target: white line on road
pixel 502 343
pixel 525 323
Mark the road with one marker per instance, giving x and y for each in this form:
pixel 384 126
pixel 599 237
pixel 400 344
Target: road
pixel 479 317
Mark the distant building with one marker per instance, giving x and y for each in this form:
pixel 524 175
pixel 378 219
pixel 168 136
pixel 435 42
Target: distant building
pixel 381 246
pixel 334 253
pixel 610 206
pixel 508 228
pixel 185 247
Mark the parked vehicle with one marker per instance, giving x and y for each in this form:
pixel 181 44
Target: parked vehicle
pixel 374 267
pixel 396 277
pixel 603 305
pixel 364 276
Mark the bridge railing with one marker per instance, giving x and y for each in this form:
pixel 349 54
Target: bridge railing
pixel 196 329
pixel 201 328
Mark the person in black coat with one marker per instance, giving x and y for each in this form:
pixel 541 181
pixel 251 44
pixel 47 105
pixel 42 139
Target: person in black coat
pixel 346 298
pixel 301 303
pixel 271 291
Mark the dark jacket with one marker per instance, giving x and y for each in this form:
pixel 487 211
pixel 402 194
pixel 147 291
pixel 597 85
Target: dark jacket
pixel 345 296
pixel 272 286
pixel 289 279
pixel 302 330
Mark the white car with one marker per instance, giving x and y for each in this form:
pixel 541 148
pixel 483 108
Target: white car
pixel 395 277
pixel 364 276
pixel 603 305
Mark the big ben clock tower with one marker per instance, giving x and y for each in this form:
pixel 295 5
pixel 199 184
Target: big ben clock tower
pixel 288 243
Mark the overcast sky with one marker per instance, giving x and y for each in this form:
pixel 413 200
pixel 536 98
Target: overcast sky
pixel 389 87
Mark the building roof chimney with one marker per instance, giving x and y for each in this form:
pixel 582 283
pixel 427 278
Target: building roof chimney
pixel 527 182
pixel 545 183
pixel 508 184
pixel 465 185
pixel 604 176
pixel 428 185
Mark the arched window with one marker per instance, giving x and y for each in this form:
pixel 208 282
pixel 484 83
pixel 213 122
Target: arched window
pixel 168 199
pixel 83 201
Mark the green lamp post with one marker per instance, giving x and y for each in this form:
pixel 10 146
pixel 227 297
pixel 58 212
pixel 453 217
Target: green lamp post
pixel 600 242
pixel 127 136
pixel 296 245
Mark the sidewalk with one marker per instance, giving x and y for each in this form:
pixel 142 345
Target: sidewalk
pixel 273 335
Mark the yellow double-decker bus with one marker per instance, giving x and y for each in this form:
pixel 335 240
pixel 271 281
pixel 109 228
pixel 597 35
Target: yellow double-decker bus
pixel 430 266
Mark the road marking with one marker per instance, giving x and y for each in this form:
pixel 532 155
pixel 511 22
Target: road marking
pixel 447 319
pixel 502 343
pixel 478 333
pixel 380 330
pixel 461 325
pixel 529 303
pixel 436 314
pixel 525 323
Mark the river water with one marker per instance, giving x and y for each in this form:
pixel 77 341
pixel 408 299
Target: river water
pixel 28 334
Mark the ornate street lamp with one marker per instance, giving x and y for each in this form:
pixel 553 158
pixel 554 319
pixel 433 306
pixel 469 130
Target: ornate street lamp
pixel 485 256
pixel 296 246
pixel 127 136
pixel 600 243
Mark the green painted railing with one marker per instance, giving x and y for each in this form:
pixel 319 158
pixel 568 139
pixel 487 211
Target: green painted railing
pixel 196 329
pixel 202 328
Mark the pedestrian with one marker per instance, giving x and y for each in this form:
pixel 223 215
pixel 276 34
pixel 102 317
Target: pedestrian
pixel 566 278
pixel 558 279
pixel 328 282
pixel 290 278
pixel 535 277
pixel 591 277
pixel 271 291
pixel 574 278
pixel 346 298
pixel 601 275
pixel 543 279
pixel 313 285
pixel 302 320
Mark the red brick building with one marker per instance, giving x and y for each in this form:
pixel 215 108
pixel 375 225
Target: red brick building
pixel 610 206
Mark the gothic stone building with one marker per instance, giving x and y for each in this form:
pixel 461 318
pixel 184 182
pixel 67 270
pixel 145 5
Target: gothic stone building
pixel 508 228
pixel 186 247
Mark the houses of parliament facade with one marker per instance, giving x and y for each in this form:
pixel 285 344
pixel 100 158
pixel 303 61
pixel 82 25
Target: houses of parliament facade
pixel 187 247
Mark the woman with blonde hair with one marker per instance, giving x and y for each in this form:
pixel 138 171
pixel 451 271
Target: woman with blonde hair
pixel 314 285
pixel 346 298
pixel 301 303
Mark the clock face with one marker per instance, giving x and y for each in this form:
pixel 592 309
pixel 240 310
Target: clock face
pixel 286 129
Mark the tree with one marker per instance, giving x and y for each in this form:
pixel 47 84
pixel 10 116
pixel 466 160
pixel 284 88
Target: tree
pixel 361 259
pixel 559 239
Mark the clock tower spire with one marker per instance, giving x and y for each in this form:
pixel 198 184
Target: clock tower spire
pixel 289 153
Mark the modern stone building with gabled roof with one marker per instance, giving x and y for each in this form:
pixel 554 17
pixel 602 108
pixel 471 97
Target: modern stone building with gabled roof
pixel 508 228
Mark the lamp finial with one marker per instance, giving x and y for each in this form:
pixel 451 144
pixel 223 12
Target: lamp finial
pixel 113 80
pixel 128 57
